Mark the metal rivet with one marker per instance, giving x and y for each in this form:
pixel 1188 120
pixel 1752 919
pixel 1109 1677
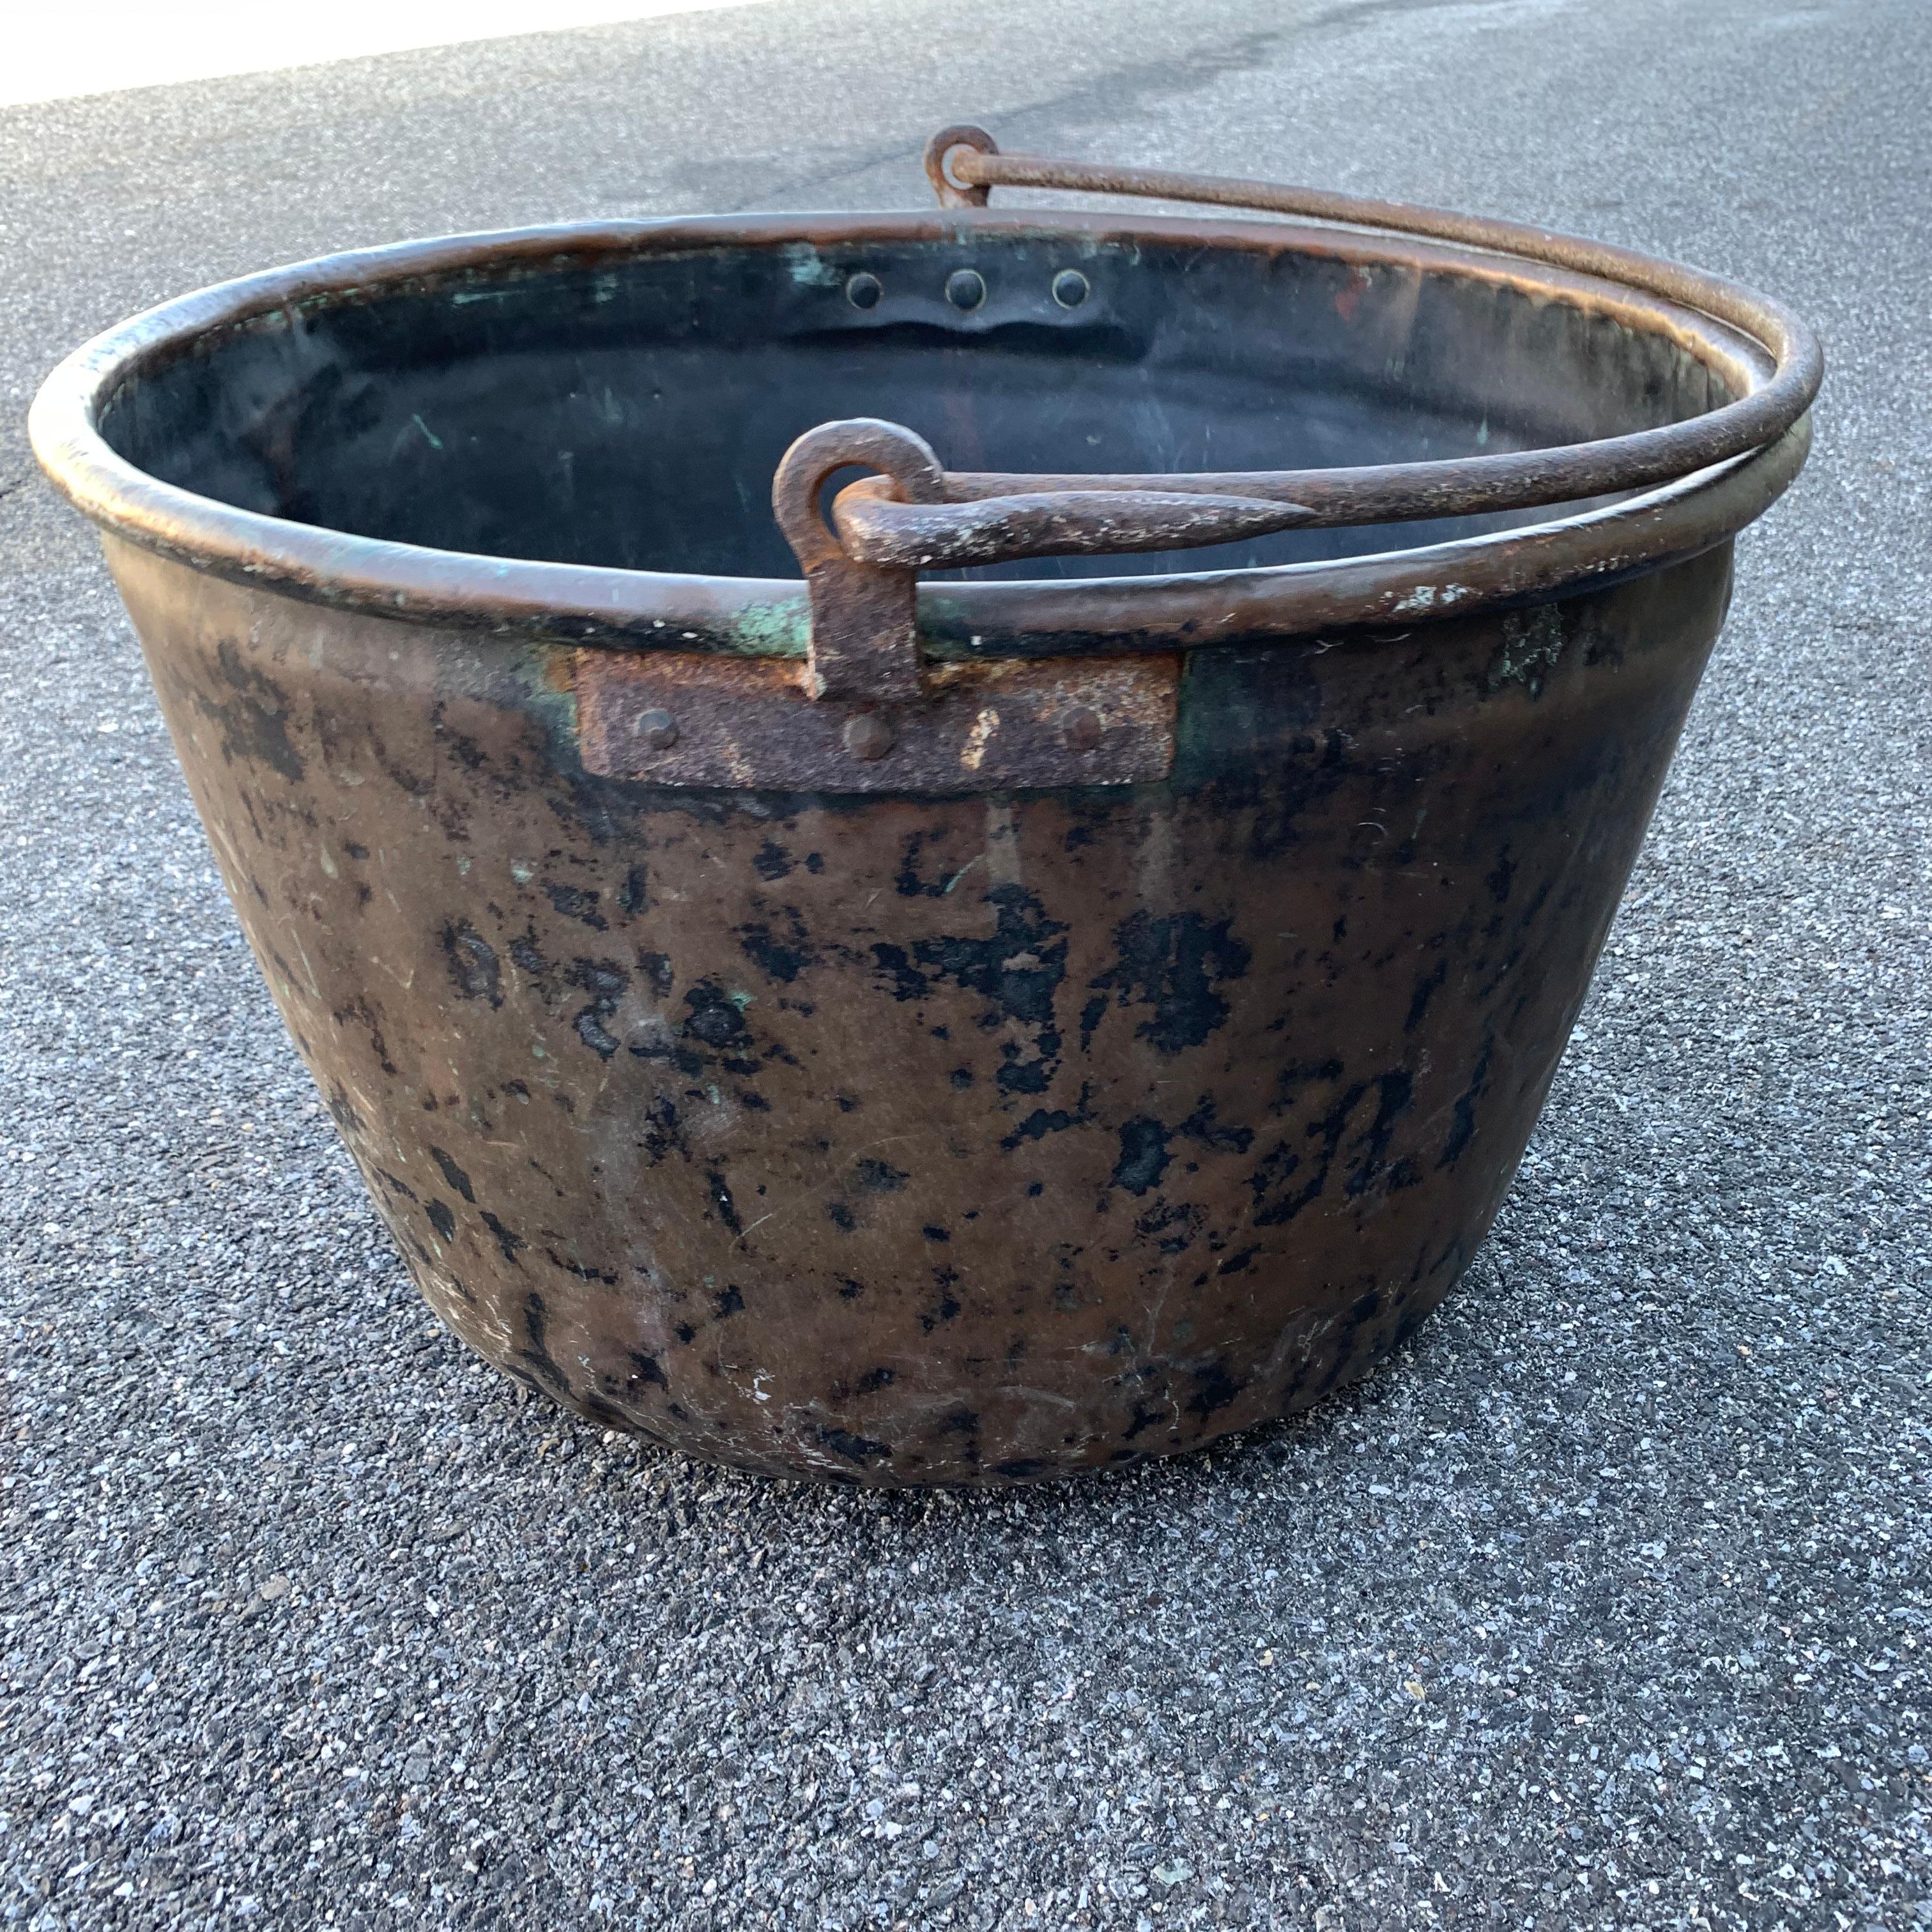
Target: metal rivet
pixel 863 291
pixel 1083 730
pixel 965 289
pixel 1069 288
pixel 867 737
pixel 657 730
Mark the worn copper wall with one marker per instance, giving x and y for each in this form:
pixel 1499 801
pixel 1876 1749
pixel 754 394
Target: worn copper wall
pixel 958 1139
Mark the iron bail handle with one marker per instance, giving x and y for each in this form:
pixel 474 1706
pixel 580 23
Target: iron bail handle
pixel 880 530
pixel 861 566
pixel 863 574
pixel 895 728
pixel 862 569
pixel 964 162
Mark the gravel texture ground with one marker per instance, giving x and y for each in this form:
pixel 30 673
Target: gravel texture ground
pixel 1609 1603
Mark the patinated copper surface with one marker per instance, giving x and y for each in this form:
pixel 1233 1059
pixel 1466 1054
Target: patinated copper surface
pixel 943 1031
pixel 925 1140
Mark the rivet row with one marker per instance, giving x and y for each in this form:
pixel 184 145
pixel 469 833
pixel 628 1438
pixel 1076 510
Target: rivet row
pixel 868 736
pixel 966 289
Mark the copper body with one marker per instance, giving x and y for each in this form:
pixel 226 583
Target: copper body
pixel 924 1140
pixel 1032 1104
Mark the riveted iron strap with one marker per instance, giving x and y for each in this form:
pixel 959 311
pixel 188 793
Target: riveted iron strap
pixel 751 722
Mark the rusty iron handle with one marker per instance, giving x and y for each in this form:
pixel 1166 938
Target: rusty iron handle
pixel 861 576
pixel 964 162
pixel 865 638
pixel 879 529
pixel 862 565
pixel 815 458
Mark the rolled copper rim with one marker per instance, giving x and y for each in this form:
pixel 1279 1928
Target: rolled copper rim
pixel 632 609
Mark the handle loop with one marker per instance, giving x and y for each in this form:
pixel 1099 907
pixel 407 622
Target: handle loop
pixel 862 567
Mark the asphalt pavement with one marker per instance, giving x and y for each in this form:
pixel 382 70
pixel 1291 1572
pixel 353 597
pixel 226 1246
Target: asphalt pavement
pixel 1606 1603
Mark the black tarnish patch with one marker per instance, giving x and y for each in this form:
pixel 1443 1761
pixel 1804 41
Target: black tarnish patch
pixel 454 1175
pixel 860 1449
pixel 536 1324
pixel 254 730
pixel 581 1270
pixel 778 962
pixel 441 1219
pixel 910 884
pixel 715 1017
pixel 720 1197
pixel 1172 964
pixel 1042 1121
pixel 1426 988
pixel 663 1133
pixel 604 980
pixel 949 1302
pixel 1394 1090
pixel 507 1240
pixel 1213 1388
pixel 1144 1156
pixel 1462 1116
pixel 361 1013
pixel 1017 971
pixel 473 964
pixel 1366 1309
pixel 576 902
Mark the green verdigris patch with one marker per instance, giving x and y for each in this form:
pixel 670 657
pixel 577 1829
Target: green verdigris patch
pixel 807 268
pixel 1532 642
pixel 540 669
pixel 781 630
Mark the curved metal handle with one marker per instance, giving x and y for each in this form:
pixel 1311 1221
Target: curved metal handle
pixel 880 530
pixel 964 163
pixel 862 565
pixel 861 568
pixel 1043 726
pixel 865 644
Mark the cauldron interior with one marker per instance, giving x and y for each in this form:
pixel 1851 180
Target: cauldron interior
pixel 617 403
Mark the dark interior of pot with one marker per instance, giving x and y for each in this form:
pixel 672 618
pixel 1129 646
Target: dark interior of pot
pixel 628 408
